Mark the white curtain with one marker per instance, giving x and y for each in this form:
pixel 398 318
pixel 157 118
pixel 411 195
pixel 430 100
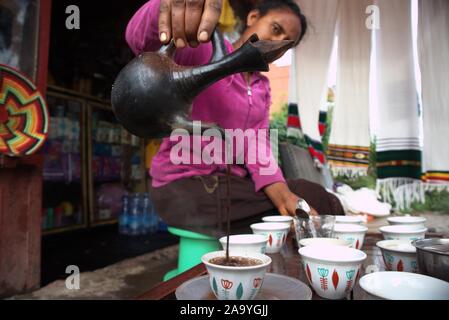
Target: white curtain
pixel 433 47
pixel 293 122
pixel 311 62
pixel 398 142
pixel 350 137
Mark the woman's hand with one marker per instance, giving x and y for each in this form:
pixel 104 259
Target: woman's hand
pixel 188 21
pixel 284 200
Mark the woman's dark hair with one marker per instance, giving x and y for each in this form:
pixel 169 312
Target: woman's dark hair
pixel 265 6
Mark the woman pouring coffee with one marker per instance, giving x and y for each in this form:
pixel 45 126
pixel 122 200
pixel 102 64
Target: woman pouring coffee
pixel 192 194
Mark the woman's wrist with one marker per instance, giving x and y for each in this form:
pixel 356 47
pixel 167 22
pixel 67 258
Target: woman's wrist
pixel 281 196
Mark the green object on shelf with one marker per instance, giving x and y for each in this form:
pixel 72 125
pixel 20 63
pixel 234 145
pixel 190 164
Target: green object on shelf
pixel 192 246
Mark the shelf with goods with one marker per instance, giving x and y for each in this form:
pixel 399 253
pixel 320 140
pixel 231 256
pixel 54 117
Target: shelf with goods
pixel 115 166
pixel 64 177
pixel 89 163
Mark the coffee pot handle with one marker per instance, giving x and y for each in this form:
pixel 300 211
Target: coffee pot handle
pixel 218 44
pixel 168 49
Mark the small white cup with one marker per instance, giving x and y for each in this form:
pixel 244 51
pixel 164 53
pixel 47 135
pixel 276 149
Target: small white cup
pixel 276 233
pixel 279 219
pixel 332 271
pixel 349 220
pixel 324 241
pixel 245 244
pixel 236 283
pixel 407 221
pixel 407 232
pixel 399 255
pixel 355 234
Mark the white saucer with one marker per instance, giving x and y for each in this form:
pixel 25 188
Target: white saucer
pixel 404 286
pixel 275 287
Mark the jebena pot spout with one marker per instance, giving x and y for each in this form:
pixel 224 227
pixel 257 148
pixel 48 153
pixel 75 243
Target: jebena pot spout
pixel 152 95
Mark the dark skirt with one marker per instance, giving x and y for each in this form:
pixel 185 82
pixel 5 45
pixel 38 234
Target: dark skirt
pixel 198 204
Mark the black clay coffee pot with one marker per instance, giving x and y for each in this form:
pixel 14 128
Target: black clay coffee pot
pixel 153 95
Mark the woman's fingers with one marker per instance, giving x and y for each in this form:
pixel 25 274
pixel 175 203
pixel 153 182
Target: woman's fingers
pixel 194 12
pixel 178 12
pixel 211 15
pixel 313 212
pixel 188 21
pixel 165 33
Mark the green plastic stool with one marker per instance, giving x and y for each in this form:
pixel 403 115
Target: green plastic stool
pixel 192 246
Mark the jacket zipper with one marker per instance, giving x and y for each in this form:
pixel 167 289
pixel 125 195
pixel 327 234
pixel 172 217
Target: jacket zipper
pixel 250 95
pixel 249 89
pixel 250 100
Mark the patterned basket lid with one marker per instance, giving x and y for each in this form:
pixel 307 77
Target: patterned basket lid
pixel 24 118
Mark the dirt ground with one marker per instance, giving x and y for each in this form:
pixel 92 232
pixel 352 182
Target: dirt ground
pixel 124 280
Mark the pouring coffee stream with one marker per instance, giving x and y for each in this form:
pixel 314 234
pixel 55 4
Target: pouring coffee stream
pixel 152 96
pixel 228 208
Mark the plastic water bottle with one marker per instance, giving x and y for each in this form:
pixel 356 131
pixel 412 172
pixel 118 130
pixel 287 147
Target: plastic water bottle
pixel 151 217
pixel 147 209
pixel 123 222
pixel 154 221
pixel 135 220
pixel 161 225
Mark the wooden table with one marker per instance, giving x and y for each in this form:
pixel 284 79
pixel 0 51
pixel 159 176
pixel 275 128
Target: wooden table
pixel 288 263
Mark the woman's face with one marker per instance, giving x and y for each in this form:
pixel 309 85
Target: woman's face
pixel 277 24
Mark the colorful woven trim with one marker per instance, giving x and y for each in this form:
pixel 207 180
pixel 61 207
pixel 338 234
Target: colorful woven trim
pixel 316 149
pixel 23 114
pixel 294 127
pixel 403 163
pixel 436 176
pixel 293 120
pixel 351 156
pixel 323 123
pixel 392 144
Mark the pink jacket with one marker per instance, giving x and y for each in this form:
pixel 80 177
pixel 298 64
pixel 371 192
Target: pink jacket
pixel 232 103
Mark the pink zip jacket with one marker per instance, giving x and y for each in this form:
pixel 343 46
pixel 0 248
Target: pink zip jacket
pixel 232 103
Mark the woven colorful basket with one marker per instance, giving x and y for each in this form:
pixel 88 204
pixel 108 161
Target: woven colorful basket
pixel 24 118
